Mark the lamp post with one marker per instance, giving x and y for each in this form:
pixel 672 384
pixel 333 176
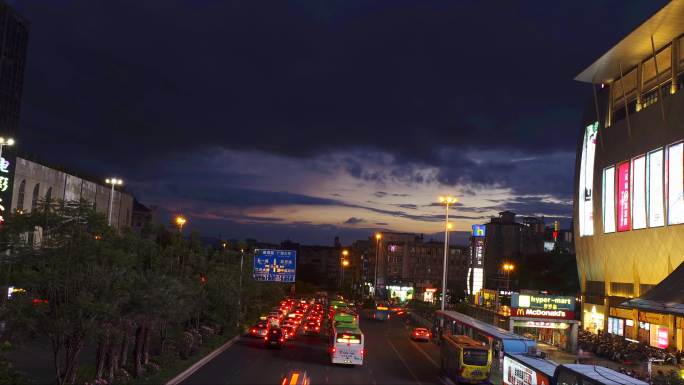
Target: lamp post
pixel 113 182
pixel 447 200
pixel 5 142
pixel 507 268
pixel 343 263
pixel 377 253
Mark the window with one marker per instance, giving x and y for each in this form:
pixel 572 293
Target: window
pixel 656 214
pixel 639 192
pixel 609 200
pixel 675 184
pixel 48 194
pixel 20 195
pixel 34 199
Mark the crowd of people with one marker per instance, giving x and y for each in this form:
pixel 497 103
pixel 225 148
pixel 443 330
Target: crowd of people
pixel 618 349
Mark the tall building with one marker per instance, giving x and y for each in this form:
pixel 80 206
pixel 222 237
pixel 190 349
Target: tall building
pixel 629 184
pixel 507 241
pixel 14 32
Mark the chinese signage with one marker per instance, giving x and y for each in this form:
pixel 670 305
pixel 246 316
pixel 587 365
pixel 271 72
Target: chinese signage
pixel 541 301
pixel 275 265
pixel 477 250
pixel 623 197
pixel 479 230
pixel 540 313
pixel 515 373
pixel 5 188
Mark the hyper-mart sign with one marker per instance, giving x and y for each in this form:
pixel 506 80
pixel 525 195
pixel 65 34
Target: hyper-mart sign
pixel 541 313
pixel 542 301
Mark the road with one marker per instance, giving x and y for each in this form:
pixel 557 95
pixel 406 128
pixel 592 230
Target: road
pixel 391 358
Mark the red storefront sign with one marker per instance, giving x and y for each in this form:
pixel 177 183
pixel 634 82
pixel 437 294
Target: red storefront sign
pixel 542 313
pixel 623 197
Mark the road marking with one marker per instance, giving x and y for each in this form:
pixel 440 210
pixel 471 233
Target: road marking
pixel 425 354
pixel 403 362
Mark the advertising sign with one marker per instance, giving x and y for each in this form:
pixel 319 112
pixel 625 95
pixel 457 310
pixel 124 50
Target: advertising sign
pixel 515 373
pixel 542 301
pixel 275 265
pixel 675 184
pixel 6 184
pixel 656 216
pixel 639 193
pixel 609 200
pixel 477 259
pixel 479 230
pixel 540 313
pixel 623 197
pixel 586 181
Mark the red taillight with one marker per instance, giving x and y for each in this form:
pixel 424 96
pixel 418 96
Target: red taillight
pixel 282 340
pixel 253 330
pixel 333 349
pixel 363 352
pixel 265 338
pixel 317 328
pixel 306 328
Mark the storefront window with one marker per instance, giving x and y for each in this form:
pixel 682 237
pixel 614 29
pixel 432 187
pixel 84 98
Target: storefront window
pixel 616 326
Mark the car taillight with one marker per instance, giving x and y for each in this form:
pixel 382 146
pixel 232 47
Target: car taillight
pixel 282 340
pixel 253 330
pixel 317 328
pixel 363 352
pixel 265 338
pixel 333 349
pixel 306 327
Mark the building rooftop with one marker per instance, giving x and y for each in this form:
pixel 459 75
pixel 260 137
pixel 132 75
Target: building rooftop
pixel 664 26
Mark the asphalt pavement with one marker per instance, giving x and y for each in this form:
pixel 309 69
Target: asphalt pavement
pixel 391 358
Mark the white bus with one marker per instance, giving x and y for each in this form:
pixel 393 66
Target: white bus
pixel 346 345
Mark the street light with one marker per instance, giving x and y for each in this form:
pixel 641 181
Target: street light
pixel 507 268
pixel 113 182
pixel 5 142
pixel 343 263
pixel 446 200
pixel 239 315
pixel 377 253
pixel 180 221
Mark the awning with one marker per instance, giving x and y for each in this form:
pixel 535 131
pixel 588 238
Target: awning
pixel 666 297
pixel 665 25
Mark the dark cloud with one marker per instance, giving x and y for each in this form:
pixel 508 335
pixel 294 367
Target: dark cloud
pixel 406 206
pixel 353 221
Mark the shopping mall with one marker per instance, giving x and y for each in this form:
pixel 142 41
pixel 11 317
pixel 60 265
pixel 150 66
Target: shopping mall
pixel 629 185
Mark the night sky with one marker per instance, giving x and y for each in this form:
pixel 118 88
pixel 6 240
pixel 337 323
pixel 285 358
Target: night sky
pixel 310 119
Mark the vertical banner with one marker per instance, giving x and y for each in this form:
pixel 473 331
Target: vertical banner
pixel 675 184
pixel 623 197
pixel 639 192
pixel 656 213
pixel 609 200
pixel 586 181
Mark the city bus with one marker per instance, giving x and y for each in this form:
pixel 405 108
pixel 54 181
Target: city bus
pixel 346 345
pixel 464 360
pixel 527 369
pixel 382 311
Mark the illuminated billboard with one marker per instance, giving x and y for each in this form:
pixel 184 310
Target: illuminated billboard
pixel 675 184
pixel 586 181
pixel 656 213
pixel 623 197
pixel 609 200
pixel 479 230
pixel 639 192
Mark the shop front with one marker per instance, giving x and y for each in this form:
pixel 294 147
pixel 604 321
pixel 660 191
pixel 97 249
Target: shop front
pixel 593 317
pixel 654 330
pixel 546 318
pixel 621 323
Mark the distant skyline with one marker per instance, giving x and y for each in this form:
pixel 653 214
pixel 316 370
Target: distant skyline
pixel 306 120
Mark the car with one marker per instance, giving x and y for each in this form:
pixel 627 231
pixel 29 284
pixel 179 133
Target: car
pixel 289 331
pixel 312 328
pixel 259 329
pixel 421 334
pixel 274 338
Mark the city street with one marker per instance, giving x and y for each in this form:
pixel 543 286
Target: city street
pixel 391 358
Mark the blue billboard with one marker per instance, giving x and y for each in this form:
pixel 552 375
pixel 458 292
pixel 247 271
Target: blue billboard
pixel 275 265
pixel 479 230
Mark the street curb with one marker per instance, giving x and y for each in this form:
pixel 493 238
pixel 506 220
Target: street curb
pixel 197 365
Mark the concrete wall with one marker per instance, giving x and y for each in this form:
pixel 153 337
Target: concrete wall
pixel 69 187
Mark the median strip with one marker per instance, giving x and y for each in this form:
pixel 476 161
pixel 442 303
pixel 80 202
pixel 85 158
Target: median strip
pixel 197 365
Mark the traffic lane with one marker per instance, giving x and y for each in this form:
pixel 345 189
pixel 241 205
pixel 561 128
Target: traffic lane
pixel 391 359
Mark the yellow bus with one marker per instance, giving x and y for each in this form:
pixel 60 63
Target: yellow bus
pixel 465 360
